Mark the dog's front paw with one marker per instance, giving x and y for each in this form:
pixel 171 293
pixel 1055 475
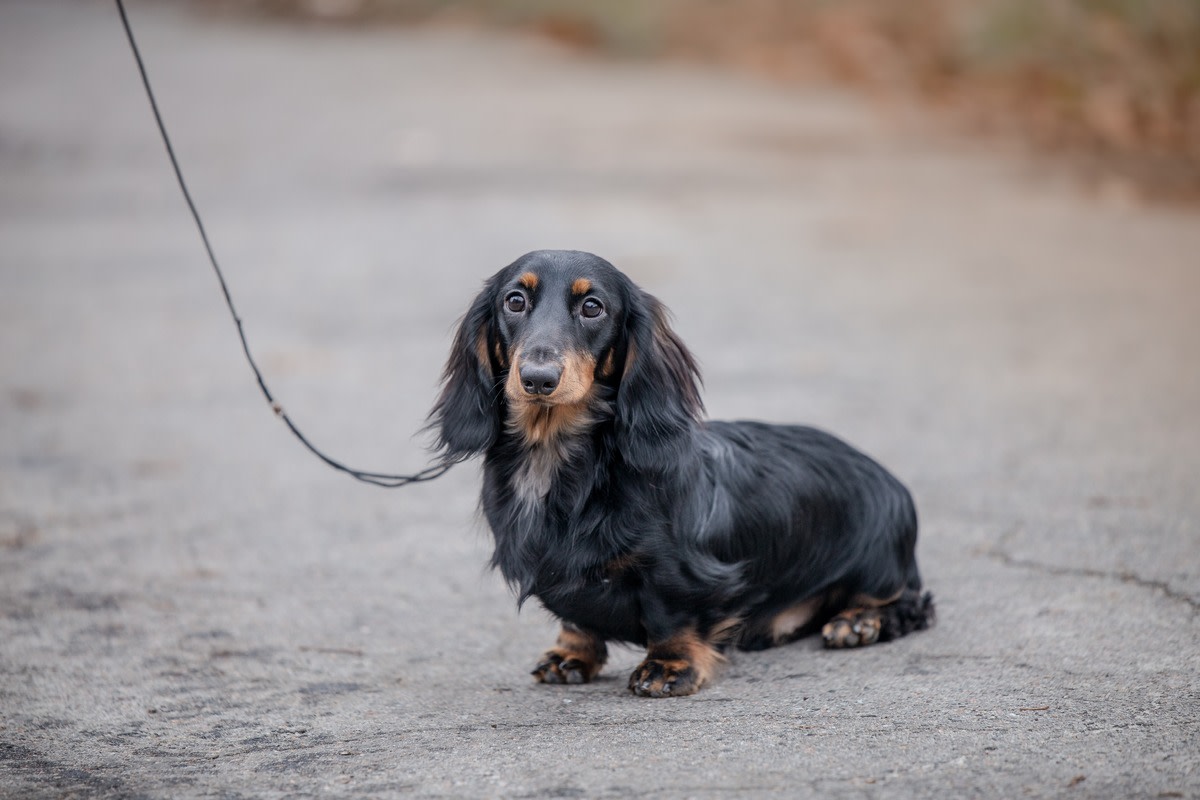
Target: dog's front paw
pixel 576 658
pixel 665 678
pixel 561 666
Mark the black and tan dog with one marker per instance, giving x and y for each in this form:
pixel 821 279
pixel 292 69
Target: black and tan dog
pixel 631 518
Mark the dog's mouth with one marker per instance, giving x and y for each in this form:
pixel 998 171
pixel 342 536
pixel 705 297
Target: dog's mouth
pixel 546 420
pixel 567 383
pixel 538 403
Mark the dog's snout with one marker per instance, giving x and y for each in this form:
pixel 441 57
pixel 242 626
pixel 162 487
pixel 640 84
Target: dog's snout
pixel 540 378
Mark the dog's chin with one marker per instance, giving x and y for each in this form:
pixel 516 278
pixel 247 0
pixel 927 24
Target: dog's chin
pixel 544 420
pixel 541 403
pixel 519 399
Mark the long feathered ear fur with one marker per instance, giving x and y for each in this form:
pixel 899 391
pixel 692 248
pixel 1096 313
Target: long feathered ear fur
pixel 658 399
pixel 466 417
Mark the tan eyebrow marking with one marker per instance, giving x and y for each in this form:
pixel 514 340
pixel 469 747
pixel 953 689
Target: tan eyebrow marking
pixel 529 281
pixel 581 286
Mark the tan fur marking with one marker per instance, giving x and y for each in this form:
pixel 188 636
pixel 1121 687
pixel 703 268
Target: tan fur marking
pixel 583 644
pixel 547 424
pixel 528 280
pixel 854 627
pixel 692 651
pixel 512 386
pixel 581 286
pixel 725 631
pixel 481 346
pixel 543 424
pixel 543 418
pixel 630 355
pixel 499 352
pixel 860 624
pixel 579 370
pixel 577 657
pixel 866 601
pixel 793 618
pixel 607 367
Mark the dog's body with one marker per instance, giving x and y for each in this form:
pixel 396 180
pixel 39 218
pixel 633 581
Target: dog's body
pixel 630 518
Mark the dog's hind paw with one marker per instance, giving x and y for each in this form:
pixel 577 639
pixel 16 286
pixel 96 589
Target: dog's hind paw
pixel 662 678
pixel 853 628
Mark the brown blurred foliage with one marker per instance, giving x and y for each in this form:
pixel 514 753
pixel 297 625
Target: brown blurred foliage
pixel 1115 84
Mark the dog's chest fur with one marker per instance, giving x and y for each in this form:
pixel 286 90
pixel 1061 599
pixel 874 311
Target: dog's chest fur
pixel 533 478
pixel 544 546
pixel 549 439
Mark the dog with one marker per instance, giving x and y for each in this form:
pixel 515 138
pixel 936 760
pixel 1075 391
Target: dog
pixel 633 519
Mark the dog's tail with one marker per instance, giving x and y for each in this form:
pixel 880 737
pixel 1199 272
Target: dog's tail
pixel 914 611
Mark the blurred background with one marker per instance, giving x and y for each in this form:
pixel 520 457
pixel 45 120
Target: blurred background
pixel 961 235
pixel 1113 85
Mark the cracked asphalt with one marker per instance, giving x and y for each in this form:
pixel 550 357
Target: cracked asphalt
pixel 192 606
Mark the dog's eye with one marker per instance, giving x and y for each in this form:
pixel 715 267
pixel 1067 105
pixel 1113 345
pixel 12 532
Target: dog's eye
pixel 591 308
pixel 515 302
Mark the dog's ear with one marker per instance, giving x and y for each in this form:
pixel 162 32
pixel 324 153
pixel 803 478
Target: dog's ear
pixel 658 399
pixel 466 416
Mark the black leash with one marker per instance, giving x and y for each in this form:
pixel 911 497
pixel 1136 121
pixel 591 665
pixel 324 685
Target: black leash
pixel 377 478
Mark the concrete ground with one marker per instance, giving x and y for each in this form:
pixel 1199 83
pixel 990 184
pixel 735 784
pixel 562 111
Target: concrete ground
pixel 192 606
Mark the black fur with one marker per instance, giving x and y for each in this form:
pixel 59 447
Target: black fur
pixel 634 519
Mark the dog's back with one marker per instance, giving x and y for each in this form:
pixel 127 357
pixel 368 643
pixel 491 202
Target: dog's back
pixel 811 519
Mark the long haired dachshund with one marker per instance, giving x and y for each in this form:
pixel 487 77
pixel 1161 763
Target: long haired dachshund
pixel 633 519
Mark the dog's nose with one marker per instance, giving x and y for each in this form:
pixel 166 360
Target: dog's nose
pixel 541 379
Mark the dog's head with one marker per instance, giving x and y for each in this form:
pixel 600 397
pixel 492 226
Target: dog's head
pixel 559 341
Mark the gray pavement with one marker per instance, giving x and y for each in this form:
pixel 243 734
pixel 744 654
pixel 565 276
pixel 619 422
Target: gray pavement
pixel 192 606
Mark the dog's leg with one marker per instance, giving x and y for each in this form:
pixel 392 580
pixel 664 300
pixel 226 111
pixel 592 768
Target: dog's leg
pixel 870 621
pixel 676 666
pixel 577 658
